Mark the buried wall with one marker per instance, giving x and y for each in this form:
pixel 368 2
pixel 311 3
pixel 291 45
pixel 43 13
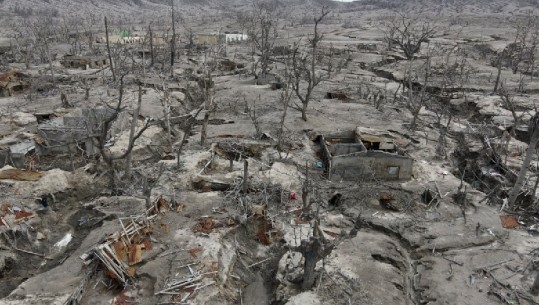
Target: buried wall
pixel 369 165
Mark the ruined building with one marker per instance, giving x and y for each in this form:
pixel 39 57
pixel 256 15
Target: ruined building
pixel 12 82
pixel 84 62
pixel 365 154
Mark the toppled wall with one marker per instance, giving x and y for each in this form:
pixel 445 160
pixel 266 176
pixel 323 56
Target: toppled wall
pixel 370 165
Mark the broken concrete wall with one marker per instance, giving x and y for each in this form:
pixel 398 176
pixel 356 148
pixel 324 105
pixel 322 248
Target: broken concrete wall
pixel 369 165
pixel 339 149
pixel 18 153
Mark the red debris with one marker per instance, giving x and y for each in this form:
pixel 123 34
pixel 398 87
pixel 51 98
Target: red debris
pixel 509 221
pixel 195 251
pixel 23 214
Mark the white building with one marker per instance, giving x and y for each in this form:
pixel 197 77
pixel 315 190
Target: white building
pixel 232 38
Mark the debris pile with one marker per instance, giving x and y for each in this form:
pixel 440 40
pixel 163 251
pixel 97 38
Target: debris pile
pixel 123 249
pixel 14 218
pixel 207 224
pixel 182 289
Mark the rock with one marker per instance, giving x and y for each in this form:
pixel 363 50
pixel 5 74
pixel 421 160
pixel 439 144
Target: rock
pixel 7 261
pixel 338 221
pixel 23 118
pixel 304 298
pixel 40 236
pixel 178 95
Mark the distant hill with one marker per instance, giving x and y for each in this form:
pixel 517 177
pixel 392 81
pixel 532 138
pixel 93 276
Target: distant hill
pixel 128 7
pixel 449 6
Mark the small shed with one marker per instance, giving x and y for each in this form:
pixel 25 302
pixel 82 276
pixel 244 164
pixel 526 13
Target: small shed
pixel 365 154
pixel 235 37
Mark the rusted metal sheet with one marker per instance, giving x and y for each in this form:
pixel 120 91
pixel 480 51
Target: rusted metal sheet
pixel 20 175
pixel 509 221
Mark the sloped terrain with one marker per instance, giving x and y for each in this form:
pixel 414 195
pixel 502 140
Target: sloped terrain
pixel 209 205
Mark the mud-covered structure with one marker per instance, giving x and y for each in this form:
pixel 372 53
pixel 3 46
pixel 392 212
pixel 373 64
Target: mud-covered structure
pixel 84 62
pixel 365 154
pixel 71 132
pixel 12 82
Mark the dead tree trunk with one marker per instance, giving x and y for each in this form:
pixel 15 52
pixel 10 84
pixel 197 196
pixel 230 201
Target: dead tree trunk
pixel 305 192
pixel 204 131
pixel 187 131
pixel 245 176
pixel 151 45
pixel 108 49
pixel 166 104
pixel 129 158
pixel 313 250
pixel 50 65
pixel 535 286
pixel 302 68
pixel 496 84
pixel 173 42
pixel 184 138
pixel 535 186
pixel 285 99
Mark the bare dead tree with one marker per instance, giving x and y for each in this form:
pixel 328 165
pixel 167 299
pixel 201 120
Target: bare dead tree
pixel 532 47
pixel 285 97
pixel 508 102
pixel 525 44
pixel 41 32
pixel 152 56
pixel 304 68
pixel 522 50
pixel 89 25
pixel 535 286
pixel 188 125
pixel 416 96
pixel 134 121
pixel 165 102
pixel 251 111
pixel 206 85
pixel 533 131
pixel 408 33
pixel 313 250
pixel 387 26
pixel 262 32
pixel 102 132
pixel 450 73
pixel 190 34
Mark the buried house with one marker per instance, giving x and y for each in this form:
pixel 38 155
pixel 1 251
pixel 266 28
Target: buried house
pixel 366 154
pixel 73 132
pixel 84 62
